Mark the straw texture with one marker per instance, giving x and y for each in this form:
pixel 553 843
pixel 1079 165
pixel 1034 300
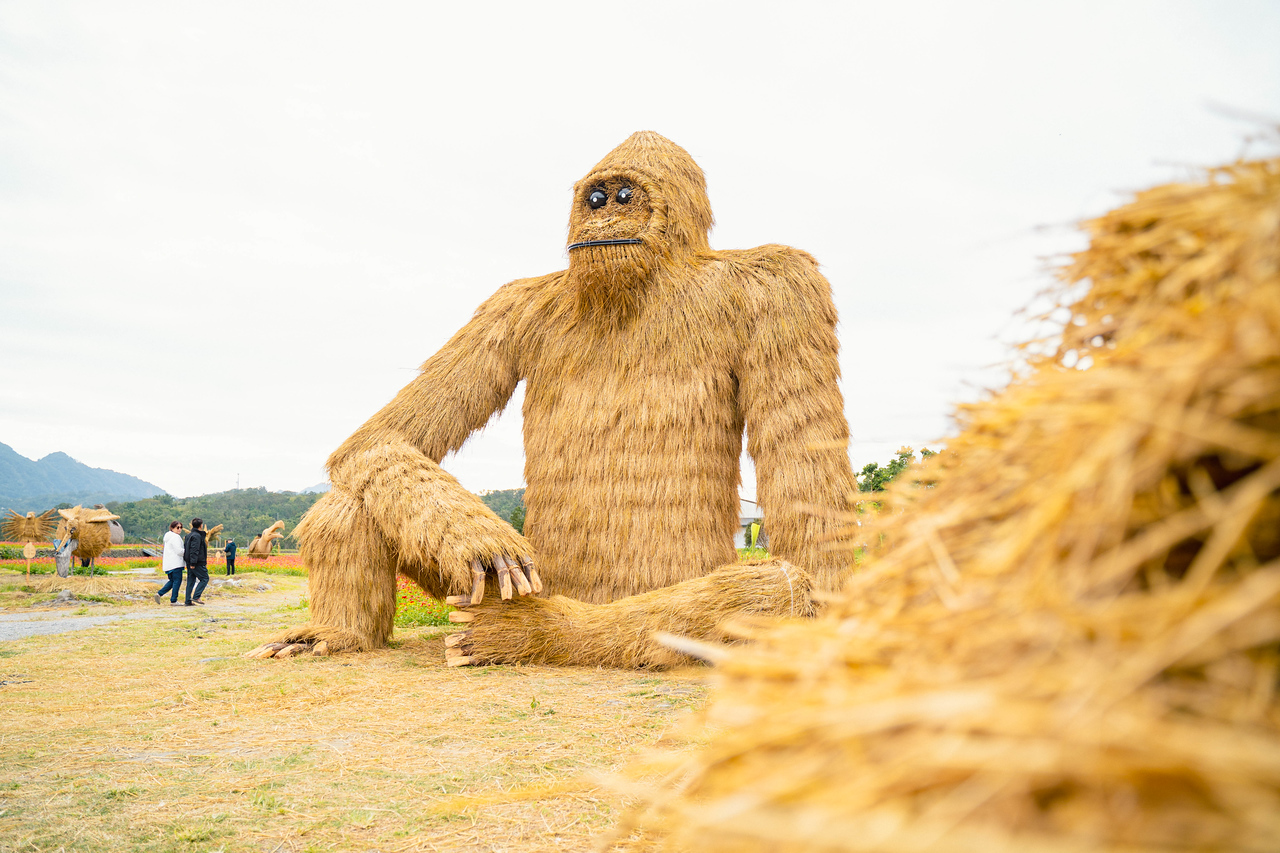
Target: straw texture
pixel 560 631
pixel 643 365
pixel 1071 641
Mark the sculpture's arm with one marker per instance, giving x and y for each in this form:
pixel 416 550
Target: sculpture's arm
pixel 392 462
pixel 793 410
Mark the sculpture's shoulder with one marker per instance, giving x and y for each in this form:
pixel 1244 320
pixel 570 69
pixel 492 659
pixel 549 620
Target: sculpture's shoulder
pixel 775 275
pixel 528 309
pixel 771 260
pixel 517 298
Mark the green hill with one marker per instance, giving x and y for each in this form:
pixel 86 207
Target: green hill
pixel 28 485
pixel 244 513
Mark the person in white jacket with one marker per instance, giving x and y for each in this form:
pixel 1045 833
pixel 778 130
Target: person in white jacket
pixel 172 563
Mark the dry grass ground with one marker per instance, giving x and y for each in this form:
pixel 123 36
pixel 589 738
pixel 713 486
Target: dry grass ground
pixel 156 735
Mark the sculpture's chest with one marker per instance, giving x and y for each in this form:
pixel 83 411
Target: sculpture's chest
pixel 665 374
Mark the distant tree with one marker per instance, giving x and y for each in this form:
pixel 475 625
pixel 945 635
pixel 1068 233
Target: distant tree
pixel 503 501
pixel 517 519
pixel 874 478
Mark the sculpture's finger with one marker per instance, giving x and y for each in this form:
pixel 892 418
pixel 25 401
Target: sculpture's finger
pixel 266 650
pixel 458 600
pixel 457 650
pixel 291 650
pixel 320 649
pixel 535 582
pixel 504 576
pixel 461 616
pixel 517 574
pixel 477 575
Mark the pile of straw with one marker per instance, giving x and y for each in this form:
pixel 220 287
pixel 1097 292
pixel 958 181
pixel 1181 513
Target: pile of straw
pixel 1071 641
pixel 92 585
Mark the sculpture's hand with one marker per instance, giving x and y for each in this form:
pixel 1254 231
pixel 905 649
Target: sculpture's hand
pixel 519 574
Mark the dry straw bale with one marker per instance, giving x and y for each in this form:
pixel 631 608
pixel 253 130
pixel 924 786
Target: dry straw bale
pixel 1070 642
pixel 92 585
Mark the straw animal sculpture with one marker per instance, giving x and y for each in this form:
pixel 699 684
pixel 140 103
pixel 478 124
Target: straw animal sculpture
pixel 89 529
pixel 642 363
pixel 214 532
pixel 28 529
pixel 261 544
pixel 1071 641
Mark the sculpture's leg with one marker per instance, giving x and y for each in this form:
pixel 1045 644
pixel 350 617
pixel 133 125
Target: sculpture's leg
pixel 351 580
pixel 560 631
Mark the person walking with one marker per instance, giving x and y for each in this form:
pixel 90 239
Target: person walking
pixel 171 562
pixel 231 557
pixel 196 555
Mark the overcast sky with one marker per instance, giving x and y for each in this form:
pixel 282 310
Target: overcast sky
pixel 230 232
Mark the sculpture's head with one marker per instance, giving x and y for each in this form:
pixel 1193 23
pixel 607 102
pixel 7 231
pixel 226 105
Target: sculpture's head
pixel 644 205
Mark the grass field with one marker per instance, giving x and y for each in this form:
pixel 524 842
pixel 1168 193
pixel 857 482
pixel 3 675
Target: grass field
pixel 154 734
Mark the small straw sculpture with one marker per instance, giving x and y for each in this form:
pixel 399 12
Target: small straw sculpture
pixel 261 544
pixel 90 528
pixel 1071 641
pixel 28 529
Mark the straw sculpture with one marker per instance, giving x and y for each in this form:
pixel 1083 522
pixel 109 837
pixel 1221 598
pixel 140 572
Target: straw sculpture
pixel 28 529
pixel 88 529
pixel 212 533
pixel 261 544
pixel 643 362
pixel 1071 641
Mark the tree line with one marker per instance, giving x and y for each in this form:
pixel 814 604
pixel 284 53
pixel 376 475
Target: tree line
pixel 245 513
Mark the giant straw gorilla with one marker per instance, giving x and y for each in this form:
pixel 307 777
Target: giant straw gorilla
pixel 643 363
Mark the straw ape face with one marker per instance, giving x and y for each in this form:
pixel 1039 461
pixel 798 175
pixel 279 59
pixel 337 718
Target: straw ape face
pixel 643 363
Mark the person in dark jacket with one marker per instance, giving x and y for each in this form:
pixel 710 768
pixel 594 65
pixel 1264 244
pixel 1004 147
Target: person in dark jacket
pixel 196 555
pixel 231 556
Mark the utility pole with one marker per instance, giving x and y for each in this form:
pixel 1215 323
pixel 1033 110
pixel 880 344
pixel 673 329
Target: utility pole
pixel 237 482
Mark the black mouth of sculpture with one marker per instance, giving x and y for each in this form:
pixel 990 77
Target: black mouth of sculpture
pixel 628 242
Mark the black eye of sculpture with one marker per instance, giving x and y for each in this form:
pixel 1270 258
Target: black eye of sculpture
pixel 624 195
pixel 597 199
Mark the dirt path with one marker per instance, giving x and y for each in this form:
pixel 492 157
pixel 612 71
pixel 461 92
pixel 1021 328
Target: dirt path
pixel 18 624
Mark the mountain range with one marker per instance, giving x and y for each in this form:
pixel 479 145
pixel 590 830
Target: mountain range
pixel 27 485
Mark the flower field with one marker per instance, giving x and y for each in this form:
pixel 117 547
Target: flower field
pixel 414 607
pixel 44 565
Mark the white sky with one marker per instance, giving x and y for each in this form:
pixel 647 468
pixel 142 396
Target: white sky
pixel 229 232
